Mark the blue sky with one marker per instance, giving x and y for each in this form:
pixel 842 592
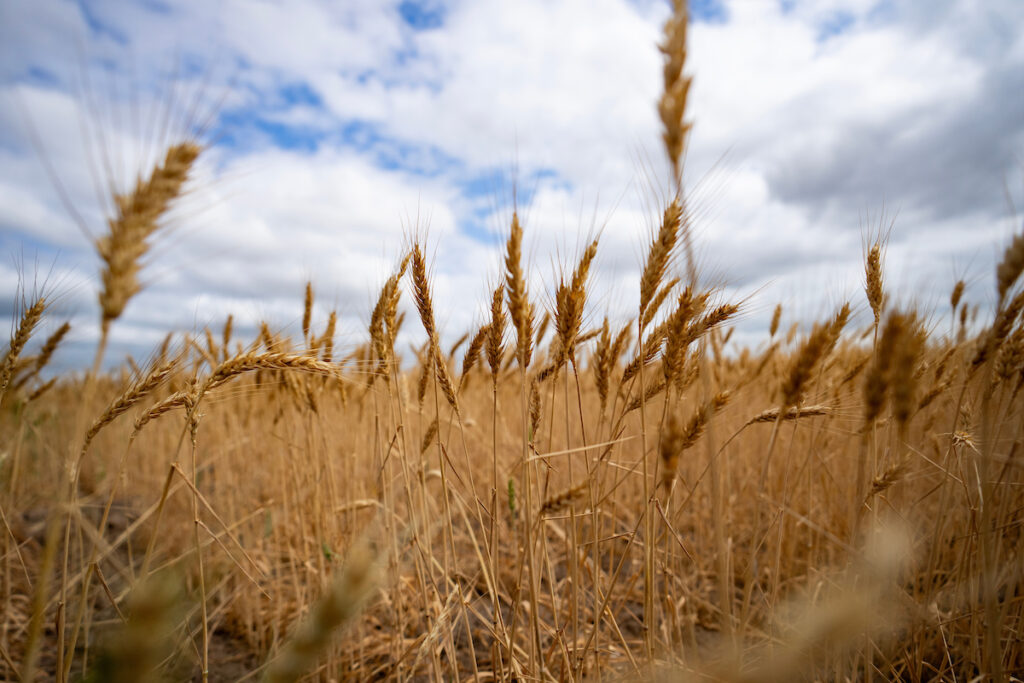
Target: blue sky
pixel 336 130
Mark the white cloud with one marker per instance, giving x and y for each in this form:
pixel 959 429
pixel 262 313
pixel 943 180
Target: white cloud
pixel 798 137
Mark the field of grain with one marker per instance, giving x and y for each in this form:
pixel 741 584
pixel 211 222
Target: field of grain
pixel 553 497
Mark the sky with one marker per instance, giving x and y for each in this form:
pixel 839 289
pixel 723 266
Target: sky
pixel 335 132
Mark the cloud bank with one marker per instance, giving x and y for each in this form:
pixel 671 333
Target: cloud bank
pixel 336 131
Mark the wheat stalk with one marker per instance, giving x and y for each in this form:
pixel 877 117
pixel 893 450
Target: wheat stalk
pixel 425 307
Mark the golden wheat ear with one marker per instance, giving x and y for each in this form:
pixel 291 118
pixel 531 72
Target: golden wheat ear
pixel 660 254
pixel 1010 267
pixel 29 319
pixel 672 106
pixel 519 307
pixel 138 218
pixel 45 353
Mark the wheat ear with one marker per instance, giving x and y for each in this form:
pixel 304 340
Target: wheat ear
pixel 519 307
pixel 873 280
pixel 123 247
pixel 29 319
pixel 45 354
pixel 496 332
pixel 1010 267
pixel 135 393
pixel 679 437
pixel 776 317
pixel 569 302
pixel 672 106
pixel 660 254
pixel 425 306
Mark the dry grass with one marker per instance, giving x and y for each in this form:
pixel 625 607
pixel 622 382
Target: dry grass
pixel 297 456
pixel 573 509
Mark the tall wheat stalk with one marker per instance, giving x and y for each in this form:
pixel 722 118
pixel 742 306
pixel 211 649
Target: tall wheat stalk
pixel 129 232
pixel 520 312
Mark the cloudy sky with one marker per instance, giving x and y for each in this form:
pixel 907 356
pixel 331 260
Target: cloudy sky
pixel 335 130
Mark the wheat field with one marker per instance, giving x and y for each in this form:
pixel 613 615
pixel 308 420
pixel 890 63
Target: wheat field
pixel 555 496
